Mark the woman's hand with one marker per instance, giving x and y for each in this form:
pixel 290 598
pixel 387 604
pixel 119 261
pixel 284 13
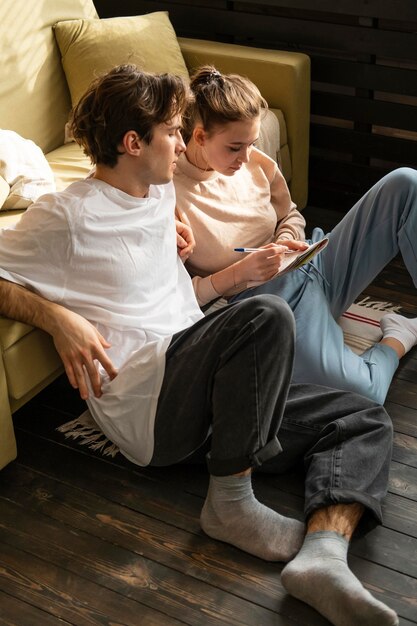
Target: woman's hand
pixel 260 265
pixel 185 238
pixel 292 244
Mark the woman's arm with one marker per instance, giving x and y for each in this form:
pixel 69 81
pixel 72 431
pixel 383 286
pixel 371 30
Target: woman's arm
pixel 78 343
pixel 290 222
pixel 257 266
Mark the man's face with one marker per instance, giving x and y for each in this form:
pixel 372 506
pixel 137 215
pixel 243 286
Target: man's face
pixel 158 159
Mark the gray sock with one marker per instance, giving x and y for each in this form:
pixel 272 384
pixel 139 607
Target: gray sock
pixel 404 329
pixel 319 575
pixel 231 513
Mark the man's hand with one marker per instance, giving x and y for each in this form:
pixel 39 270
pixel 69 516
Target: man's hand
pixel 81 346
pixel 78 343
pixel 185 237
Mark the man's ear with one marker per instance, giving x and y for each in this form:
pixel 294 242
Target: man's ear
pixel 199 135
pixel 131 143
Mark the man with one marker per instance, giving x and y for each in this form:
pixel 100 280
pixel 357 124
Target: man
pixel 96 266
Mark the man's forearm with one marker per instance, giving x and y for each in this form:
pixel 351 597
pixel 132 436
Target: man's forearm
pixel 19 303
pixel 78 342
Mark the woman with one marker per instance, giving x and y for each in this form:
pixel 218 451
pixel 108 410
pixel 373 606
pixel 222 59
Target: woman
pixel 235 196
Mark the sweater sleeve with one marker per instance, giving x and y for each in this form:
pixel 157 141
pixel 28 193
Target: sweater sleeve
pixel 290 223
pixel 204 290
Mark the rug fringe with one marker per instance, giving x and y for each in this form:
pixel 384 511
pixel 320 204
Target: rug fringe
pixel 379 305
pixel 85 429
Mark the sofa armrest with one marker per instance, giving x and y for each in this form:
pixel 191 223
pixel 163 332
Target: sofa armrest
pixel 8 449
pixel 283 79
pixel 28 363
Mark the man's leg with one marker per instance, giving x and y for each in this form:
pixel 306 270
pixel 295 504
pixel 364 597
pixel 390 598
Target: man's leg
pixel 320 576
pixel 345 441
pixel 228 376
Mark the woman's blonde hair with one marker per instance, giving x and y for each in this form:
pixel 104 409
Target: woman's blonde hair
pixel 219 99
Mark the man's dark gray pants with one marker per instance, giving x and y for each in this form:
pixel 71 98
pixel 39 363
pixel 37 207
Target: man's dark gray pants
pixel 228 378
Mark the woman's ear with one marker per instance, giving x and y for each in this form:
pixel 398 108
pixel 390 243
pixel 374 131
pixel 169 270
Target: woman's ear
pixel 199 135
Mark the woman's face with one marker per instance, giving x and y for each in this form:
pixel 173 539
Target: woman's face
pixel 227 147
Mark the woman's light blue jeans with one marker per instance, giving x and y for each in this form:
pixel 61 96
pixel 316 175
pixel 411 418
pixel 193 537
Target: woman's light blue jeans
pixel 381 224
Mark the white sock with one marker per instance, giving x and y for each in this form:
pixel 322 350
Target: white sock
pixel 404 329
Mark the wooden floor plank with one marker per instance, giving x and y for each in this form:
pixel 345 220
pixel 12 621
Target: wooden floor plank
pixel 400 514
pixel 404 418
pixel 403 393
pixel 67 596
pixel 11 607
pixel 403 480
pixel 127 572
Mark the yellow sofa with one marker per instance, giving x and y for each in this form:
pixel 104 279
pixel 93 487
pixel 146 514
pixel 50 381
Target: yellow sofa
pixel 35 102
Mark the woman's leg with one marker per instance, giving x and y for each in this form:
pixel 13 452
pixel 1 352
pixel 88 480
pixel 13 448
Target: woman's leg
pixel 323 358
pixel 321 355
pixel 381 224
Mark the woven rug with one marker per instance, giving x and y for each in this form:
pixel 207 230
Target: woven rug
pixel 360 325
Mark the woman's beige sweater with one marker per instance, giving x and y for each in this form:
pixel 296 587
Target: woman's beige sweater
pixel 249 209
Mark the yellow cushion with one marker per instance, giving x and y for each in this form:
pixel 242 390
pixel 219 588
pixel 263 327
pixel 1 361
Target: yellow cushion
pixel 90 48
pixel 4 190
pixel 68 164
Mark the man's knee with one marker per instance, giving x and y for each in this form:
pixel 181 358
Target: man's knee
pixel 271 316
pixel 381 417
pixel 371 421
pixel 272 308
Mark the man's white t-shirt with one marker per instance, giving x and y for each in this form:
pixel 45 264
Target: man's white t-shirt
pixel 111 258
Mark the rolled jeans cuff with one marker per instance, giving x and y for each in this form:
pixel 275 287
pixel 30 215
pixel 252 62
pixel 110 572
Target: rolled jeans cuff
pixel 329 497
pixel 227 467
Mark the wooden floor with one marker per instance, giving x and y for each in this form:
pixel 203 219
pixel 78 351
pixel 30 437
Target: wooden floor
pixel 91 541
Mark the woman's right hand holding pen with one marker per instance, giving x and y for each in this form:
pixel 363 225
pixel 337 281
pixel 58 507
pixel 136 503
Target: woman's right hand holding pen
pixel 260 265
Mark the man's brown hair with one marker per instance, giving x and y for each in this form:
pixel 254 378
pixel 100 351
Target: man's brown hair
pixel 125 99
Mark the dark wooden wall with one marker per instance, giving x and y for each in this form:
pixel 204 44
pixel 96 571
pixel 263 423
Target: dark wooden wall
pixel 364 76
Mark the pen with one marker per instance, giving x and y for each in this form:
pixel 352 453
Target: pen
pixel 246 249
pixel 257 249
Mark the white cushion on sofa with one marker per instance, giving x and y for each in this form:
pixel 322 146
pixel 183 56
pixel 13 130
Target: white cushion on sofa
pixel 25 168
